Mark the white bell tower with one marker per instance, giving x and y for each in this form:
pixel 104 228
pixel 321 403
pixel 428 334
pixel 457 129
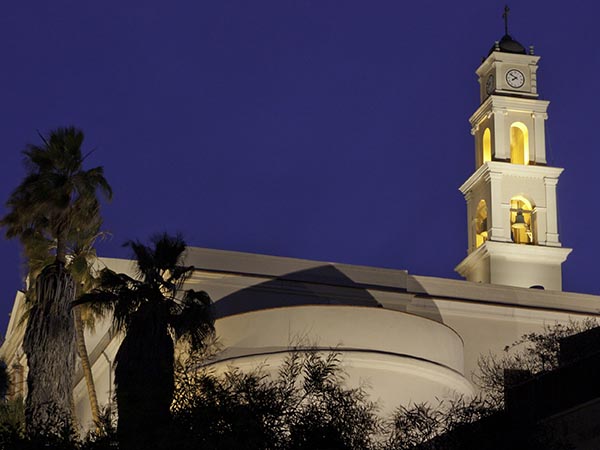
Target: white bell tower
pixel 511 197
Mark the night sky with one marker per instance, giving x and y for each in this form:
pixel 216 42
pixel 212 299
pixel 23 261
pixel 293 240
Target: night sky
pixel 335 131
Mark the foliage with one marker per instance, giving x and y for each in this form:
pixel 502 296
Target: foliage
pixel 421 425
pixel 57 194
pixel 56 200
pixel 152 310
pixel 306 406
pixel 55 434
pixel 104 436
pixel 463 424
pixel 12 422
pixel 533 353
pixel 14 437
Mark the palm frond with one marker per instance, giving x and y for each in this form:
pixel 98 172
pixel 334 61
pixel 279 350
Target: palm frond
pixel 179 275
pixel 156 264
pixel 168 250
pixel 144 261
pixel 100 302
pixel 117 293
pixel 56 189
pixel 96 178
pixel 192 319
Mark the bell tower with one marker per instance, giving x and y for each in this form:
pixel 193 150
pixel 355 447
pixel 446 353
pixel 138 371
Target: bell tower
pixel 511 197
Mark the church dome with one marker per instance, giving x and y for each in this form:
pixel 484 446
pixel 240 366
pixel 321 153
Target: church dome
pixel 508 45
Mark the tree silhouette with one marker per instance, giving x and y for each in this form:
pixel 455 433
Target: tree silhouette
pixel 153 311
pixel 56 198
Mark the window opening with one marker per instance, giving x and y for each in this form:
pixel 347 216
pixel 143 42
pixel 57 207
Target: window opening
pixel 519 144
pixel 487 145
pixel 481 226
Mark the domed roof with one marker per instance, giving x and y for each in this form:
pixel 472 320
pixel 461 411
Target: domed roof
pixel 508 45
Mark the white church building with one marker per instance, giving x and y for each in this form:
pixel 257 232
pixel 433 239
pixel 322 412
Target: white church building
pixel 411 338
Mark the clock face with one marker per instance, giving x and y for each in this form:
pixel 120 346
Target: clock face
pixel 489 85
pixel 515 78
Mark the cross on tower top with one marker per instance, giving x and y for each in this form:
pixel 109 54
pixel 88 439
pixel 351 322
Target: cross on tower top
pixel 505 17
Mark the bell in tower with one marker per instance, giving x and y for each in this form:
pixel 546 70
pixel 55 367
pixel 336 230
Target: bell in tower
pixel 511 197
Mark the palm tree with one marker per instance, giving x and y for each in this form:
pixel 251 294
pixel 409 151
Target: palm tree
pixel 80 263
pixel 153 311
pixel 53 201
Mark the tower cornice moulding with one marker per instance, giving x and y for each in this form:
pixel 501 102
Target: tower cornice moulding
pixel 504 57
pixel 495 168
pixel 501 104
pixel 515 252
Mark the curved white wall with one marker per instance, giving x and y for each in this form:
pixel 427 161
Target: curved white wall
pixel 403 358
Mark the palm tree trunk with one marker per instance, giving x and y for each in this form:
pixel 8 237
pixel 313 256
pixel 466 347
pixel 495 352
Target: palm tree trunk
pixel 85 364
pixel 61 248
pixel 49 344
pixel 144 381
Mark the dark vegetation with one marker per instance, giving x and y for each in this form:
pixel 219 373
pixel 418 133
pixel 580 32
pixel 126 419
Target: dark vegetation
pixel 49 212
pixel 152 311
pixel 307 405
pixel 533 354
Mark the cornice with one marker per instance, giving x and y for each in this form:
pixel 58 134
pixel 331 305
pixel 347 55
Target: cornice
pixel 506 58
pixel 471 260
pixel 504 103
pixel 522 170
pixel 513 251
pixel 538 252
pixel 490 168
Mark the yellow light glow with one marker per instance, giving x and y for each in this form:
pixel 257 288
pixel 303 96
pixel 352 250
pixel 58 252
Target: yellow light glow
pixel 487 145
pixel 521 233
pixel 481 227
pixel 519 144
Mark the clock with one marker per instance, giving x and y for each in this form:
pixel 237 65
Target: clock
pixel 515 78
pixel 489 85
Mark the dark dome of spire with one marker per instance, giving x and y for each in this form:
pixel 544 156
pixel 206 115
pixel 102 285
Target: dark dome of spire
pixel 508 45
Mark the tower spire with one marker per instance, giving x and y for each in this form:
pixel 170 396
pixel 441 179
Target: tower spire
pixel 505 17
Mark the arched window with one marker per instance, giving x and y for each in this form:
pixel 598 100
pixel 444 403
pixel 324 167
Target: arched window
pixel 521 225
pixel 519 143
pixel 487 145
pixel 481 227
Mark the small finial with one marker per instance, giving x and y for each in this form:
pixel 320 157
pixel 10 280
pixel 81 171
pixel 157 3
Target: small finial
pixel 497 46
pixel 505 17
pixel 531 52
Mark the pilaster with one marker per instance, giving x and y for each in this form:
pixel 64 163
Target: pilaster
pixel 552 212
pixel 495 209
pixel 501 147
pixel 539 124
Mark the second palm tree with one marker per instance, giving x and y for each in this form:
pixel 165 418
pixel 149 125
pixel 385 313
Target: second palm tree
pixel 153 310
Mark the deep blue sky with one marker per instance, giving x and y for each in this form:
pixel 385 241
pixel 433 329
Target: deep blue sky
pixel 334 131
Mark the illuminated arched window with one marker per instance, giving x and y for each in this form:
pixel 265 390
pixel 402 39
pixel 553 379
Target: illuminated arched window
pixel 487 145
pixel 521 225
pixel 519 143
pixel 481 227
